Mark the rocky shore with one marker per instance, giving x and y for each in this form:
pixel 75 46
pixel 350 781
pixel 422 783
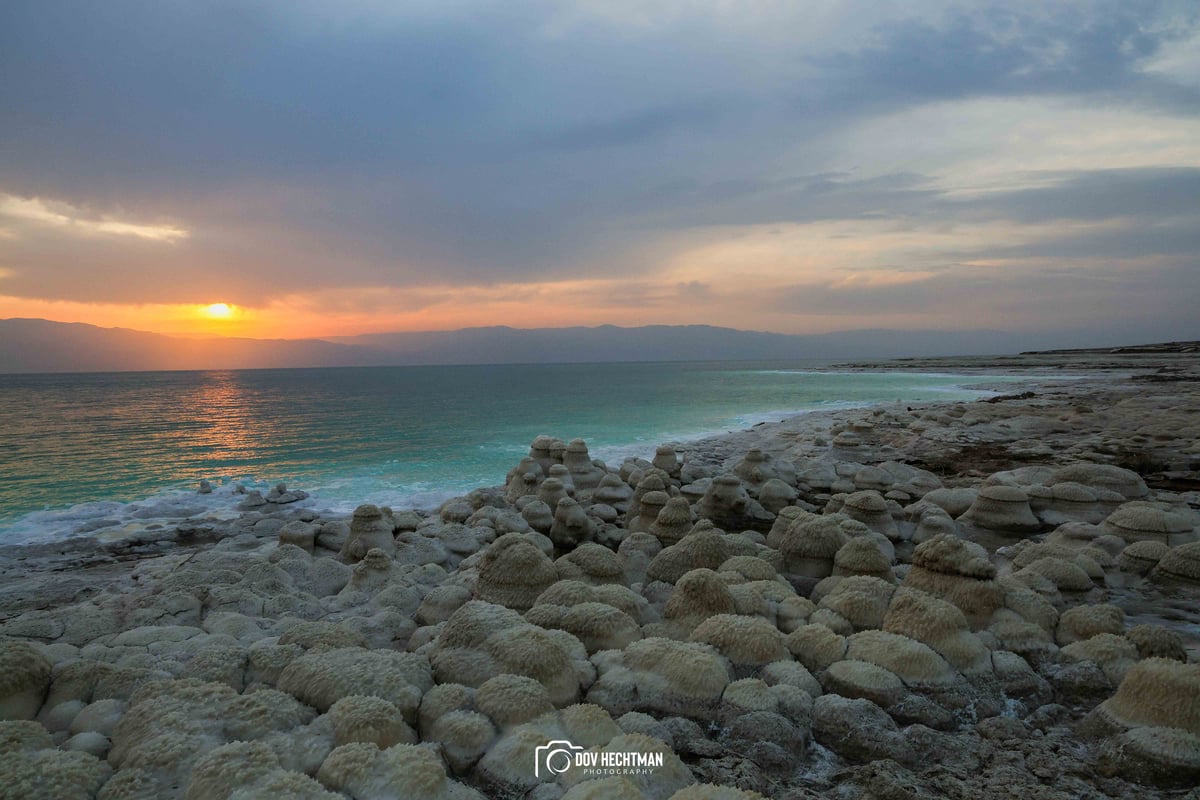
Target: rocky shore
pixel 995 599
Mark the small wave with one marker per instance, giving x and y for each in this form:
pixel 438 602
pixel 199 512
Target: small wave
pixel 110 519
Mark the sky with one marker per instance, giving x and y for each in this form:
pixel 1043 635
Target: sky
pixel 302 168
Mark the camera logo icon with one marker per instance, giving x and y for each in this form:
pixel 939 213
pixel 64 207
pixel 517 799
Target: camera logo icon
pixel 554 758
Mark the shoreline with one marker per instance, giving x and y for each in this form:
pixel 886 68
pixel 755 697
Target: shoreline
pixel 1006 577
pixel 107 516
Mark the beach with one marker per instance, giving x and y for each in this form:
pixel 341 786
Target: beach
pixel 969 598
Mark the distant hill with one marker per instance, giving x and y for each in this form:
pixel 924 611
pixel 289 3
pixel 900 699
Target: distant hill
pixel 502 344
pixel 37 345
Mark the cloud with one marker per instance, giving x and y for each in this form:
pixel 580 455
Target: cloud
pixel 65 217
pixel 353 150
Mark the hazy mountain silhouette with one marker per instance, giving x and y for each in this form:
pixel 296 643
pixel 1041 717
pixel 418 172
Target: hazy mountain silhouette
pixel 37 345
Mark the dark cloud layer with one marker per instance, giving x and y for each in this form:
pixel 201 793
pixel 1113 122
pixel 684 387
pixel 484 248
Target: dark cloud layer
pixel 371 145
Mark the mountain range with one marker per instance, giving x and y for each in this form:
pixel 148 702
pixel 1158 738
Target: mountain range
pixel 38 345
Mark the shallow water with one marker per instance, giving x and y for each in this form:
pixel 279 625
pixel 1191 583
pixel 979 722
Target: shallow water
pixel 403 436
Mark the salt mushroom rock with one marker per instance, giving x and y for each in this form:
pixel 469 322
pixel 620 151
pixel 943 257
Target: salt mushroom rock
pixel 1142 557
pixel 1065 575
pixel 728 505
pixel 1066 502
pixel 670 677
pixel 598 626
pixel 637 550
pixel 538 516
pixel 1083 622
pixel 809 546
pixel 1138 521
pixel 574 592
pixel 513 572
pixel 481 640
pixel 1155 692
pixel 365 718
pixel 1002 509
pixel 816 646
pixel 572 526
pixel 750 568
pixel 869 508
pixel 591 563
pixel 299 533
pixel 703 547
pixel 444 698
pixel 560 473
pixel 1027 551
pixel 33 768
pixel 745 641
pixel 524 484
pixel 917 664
pixel 776 495
pixel 960 573
pixel 1102 476
pixel 938 624
pixel 873 478
pixel 692 471
pixel 510 700
pixel 862 556
pixel 757 467
pixel 371 574
pixel 614 492
pixel 860 679
pixel 584 473
pixel 666 459
pixel 860 600
pixel 547 451
pixel 651 481
pixel 932 521
pixel 954 501
pixel 369 529
pixel 847 445
pixel 322 678
pixel 651 504
pixel 697 595
pixel 746 696
pixel 440 602
pixel 464 737
pixel 790 673
pixel 92 680
pixel 673 522
pixel 1155 641
pixel 551 491
pixel 24 680
pixel 241 769
pixel 364 772
pixel 1010 632
pixel 1112 653
pixel 322 577
pixel 783 520
pixel 1179 565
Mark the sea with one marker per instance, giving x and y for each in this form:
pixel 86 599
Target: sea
pixel 107 453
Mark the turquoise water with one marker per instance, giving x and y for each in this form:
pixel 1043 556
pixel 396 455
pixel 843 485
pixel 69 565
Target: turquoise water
pixel 403 436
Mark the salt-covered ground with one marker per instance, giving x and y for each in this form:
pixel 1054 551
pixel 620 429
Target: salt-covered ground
pixel 967 600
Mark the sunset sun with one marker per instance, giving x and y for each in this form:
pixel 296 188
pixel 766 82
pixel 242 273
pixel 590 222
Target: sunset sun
pixel 218 311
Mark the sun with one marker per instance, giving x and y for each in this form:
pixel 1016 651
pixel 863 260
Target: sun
pixel 218 311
